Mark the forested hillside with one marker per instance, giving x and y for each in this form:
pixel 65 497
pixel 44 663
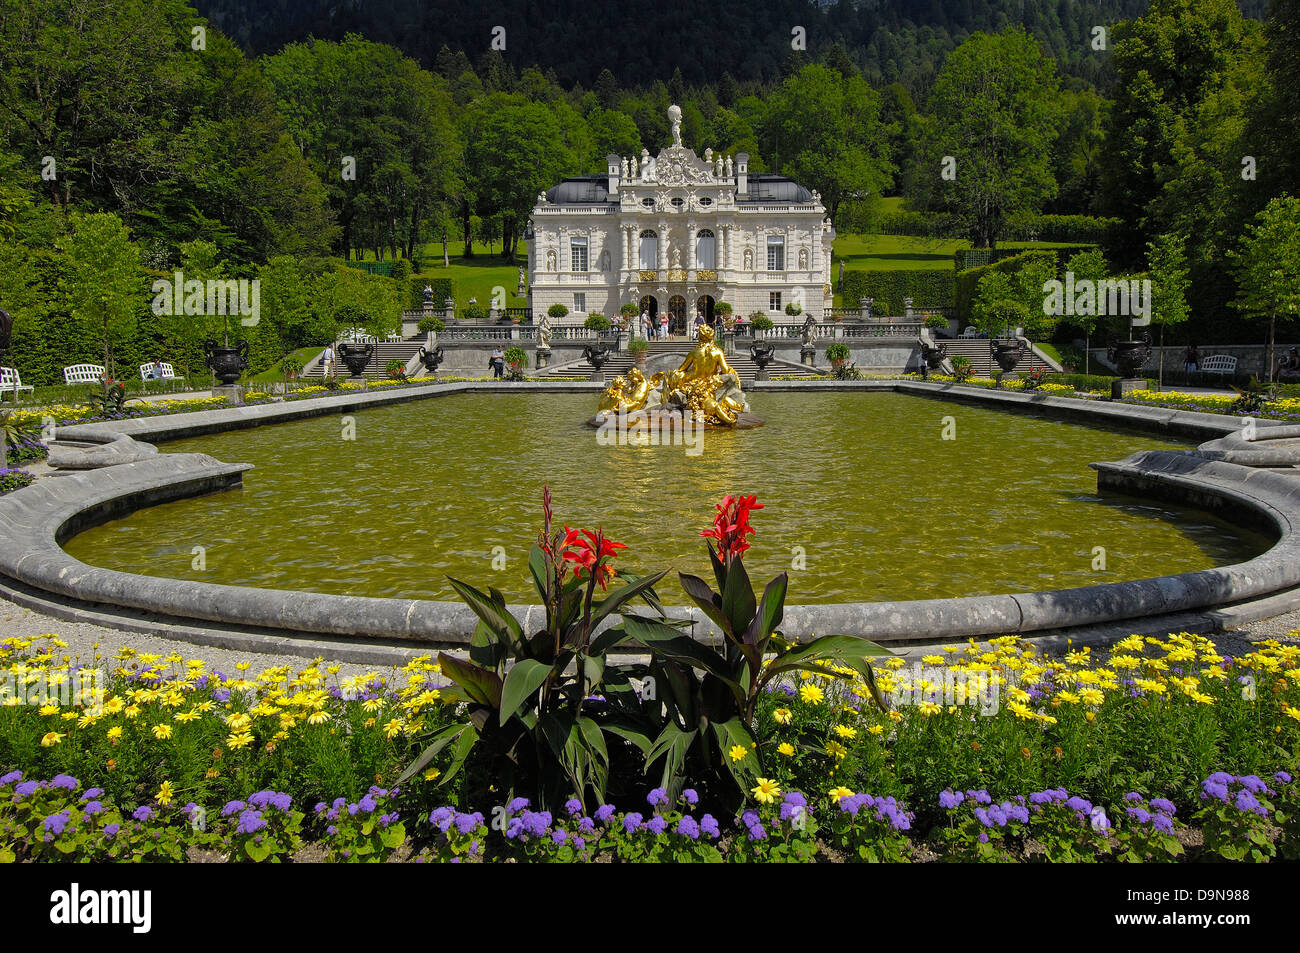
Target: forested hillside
pixel 887 40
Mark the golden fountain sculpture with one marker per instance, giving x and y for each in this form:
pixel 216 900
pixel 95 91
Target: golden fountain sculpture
pixel 705 386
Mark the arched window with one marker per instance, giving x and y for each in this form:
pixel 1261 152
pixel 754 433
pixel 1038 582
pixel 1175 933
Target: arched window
pixel 704 245
pixel 649 250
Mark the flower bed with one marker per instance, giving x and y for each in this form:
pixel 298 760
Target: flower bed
pixel 1062 769
pixel 13 479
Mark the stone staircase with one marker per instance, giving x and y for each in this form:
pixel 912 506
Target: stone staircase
pixel 976 350
pixel 667 355
pixel 385 351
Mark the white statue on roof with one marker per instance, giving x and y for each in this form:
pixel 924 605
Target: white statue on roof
pixel 675 118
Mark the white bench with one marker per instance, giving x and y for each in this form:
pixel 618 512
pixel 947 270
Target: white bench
pixel 83 374
pixel 969 332
pixel 10 381
pixel 1218 364
pixel 147 372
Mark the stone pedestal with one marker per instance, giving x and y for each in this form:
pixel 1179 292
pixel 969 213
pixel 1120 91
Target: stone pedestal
pixel 808 355
pixel 761 375
pixel 598 376
pixel 1125 386
pixel 232 392
pixel 543 357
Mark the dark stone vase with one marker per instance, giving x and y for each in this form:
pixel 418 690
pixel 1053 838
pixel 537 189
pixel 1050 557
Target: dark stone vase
pixel 1007 354
pixel 431 359
pixel 226 363
pixel 597 355
pixel 356 357
pixel 1130 356
pixel 932 357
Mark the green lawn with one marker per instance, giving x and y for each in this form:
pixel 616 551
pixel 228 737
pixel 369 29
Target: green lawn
pixel 276 376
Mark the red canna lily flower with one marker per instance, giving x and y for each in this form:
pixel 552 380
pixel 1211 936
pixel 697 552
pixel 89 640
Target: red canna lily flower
pixel 731 525
pixel 592 553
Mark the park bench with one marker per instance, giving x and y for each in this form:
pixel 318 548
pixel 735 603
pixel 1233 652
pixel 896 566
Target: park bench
pixel 969 332
pixel 83 374
pixel 147 372
pixel 1219 364
pixel 10 381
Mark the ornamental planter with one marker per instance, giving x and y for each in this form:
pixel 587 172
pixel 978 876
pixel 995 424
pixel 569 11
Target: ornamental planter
pixel 1130 356
pixel 1007 354
pixel 431 359
pixel 226 363
pixel 356 357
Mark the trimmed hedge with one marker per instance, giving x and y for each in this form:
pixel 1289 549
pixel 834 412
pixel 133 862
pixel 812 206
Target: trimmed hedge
pixel 968 281
pixel 1090 229
pixel 928 288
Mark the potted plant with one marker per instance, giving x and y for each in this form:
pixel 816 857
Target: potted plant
pixel 638 348
pixel 761 322
pixel 557 310
pixel 516 361
pixel 431 323
pixel 793 310
pixel 396 369
pixel 291 367
pixel 629 311
pixel 838 353
pixel 597 322
pixel 937 322
pixel 961 367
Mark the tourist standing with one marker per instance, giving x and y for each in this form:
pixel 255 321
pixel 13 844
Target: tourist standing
pixel 663 326
pixel 327 361
pixel 497 361
pixel 1191 359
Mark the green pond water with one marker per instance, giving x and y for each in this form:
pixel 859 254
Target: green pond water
pixel 862 498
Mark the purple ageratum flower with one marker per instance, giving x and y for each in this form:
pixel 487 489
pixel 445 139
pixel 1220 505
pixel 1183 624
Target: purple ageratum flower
pixel 631 822
pixel 232 807
pixel 604 812
pixel 1253 783
pixel 795 798
pixel 688 827
pixel 691 796
pixel 11 778
pixel 656 797
pixel 331 831
pixel 1077 803
pixel 709 826
pixel 111 829
pixel 851 804
pixel 749 818
pixel 559 837
pixel 573 806
pixel 142 813
pixel 92 794
pixel 1139 814
pixel 465 823
pixel 656 825
pixel 579 843
pixel 250 822
pixel 586 825
pixel 514 828
pixel 1221 777
pixel 980 797
pixel 320 807
pixel 56 824
pixel 442 818
pixel 950 799
pixel 1163 823
pixel 1163 806
pixel 92 808
pixel 1282 777
pixel 757 832
pixel 517 805
pixel 1132 796
pixel 1215 790
pixel 387 819
pixel 1098 819
pixel 536 823
pixel 65 781
pixel 1248 803
pixel 791 812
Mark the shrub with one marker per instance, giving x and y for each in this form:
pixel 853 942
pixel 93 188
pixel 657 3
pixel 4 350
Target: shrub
pixel 557 310
pixel 760 322
pixel 396 368
pixel 927 287
pixel 291 367
pixel 401 270
pixel 516 360
pixel 722 307
pixel 597 322
pixel 793 309
pixel 475 313
pixel 961 367
pixel 937 322
pixel 638 346
pixel 629 311
pixel 837 352
pixel 436 325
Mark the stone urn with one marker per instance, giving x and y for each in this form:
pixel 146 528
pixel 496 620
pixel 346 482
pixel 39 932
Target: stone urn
pixel 1006 353
pixel 226 363
pixel 762 353
pixel 356 357
pixel 597 355
pixel 933 356
pixel 431 359
pixel 1130 356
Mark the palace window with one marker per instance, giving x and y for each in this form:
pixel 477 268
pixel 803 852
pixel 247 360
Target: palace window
pixel 704 249
pixel 776 253
pixel 649 250
pixel 580 302
pixel 774 301
pixel 578 254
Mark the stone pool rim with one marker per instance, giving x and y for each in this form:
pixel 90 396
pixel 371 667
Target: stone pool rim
pixel 34 522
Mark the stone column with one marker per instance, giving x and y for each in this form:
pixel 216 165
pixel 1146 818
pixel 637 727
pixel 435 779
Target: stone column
pixel 691 261
pixel 663 246
pixel 624 247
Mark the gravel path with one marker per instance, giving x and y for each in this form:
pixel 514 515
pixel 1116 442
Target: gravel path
pixel 82 638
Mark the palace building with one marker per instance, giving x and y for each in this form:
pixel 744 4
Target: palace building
pixel 679 233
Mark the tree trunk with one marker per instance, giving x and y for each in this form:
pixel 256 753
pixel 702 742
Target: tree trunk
pixel 1272 329
pixel 1161 372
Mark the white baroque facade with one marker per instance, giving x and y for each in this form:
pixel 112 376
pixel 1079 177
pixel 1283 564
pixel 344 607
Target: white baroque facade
pixel 678 233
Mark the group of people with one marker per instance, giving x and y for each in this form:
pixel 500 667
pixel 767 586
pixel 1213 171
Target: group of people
pixel 666 324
